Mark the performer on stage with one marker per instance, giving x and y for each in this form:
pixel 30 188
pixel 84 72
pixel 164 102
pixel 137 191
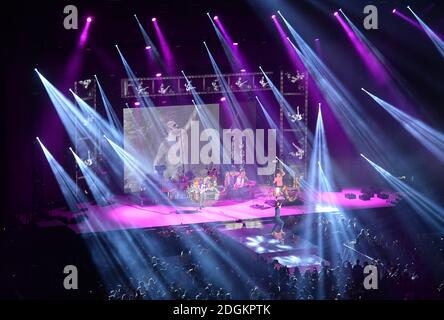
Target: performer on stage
pixel 279 225
pixel 202 195
pixel 241 180
pixel 278 182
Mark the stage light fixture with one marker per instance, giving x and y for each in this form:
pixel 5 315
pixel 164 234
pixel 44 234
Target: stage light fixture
pixel 243 70
pixel 336 13
pixel 235 44
pixel 394 11
pixel 148 47
pixel 216 18
pixel 137 103
pixel 89 19
pixel 223 99
pixel 158 74
pixel 273 16
pixel 153 19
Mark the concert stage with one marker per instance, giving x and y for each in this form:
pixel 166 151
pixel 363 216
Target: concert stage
pixel 124 214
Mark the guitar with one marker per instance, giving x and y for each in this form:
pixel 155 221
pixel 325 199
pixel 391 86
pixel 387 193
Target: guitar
pixel 299 152
pixel 88 162
pixel 296 117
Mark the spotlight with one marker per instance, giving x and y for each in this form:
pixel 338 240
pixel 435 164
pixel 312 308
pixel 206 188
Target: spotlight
pixel 158 74
pixel 148 47
pixel 216 18
pixel 223 99
pixel 408 7
pixel 273 16
pixel 70 149
pixel 336 13
pixel 243 70
pixel 137 103
pixel 89 19
pixel 235 44
pixel 317 39
pixel 153 19
pixel 38 139
pixel 394 11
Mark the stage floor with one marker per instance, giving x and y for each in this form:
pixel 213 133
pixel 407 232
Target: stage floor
pixel 292 252
pixel 124 215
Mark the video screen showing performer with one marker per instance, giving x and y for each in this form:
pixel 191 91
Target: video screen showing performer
pixel 153 135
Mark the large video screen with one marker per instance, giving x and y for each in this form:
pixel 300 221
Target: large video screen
pixel 160 140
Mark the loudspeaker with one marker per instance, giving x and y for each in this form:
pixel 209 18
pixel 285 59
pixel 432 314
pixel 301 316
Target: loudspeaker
pixel 384 196
pixel 365 196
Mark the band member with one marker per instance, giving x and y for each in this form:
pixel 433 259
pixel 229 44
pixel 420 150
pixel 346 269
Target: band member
pixel 241 179
pixel 228 181
pixel 289 196
pixel 194 190
pixel 278 182
pixel 211 188
pixel 202 195
pixel 279 225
